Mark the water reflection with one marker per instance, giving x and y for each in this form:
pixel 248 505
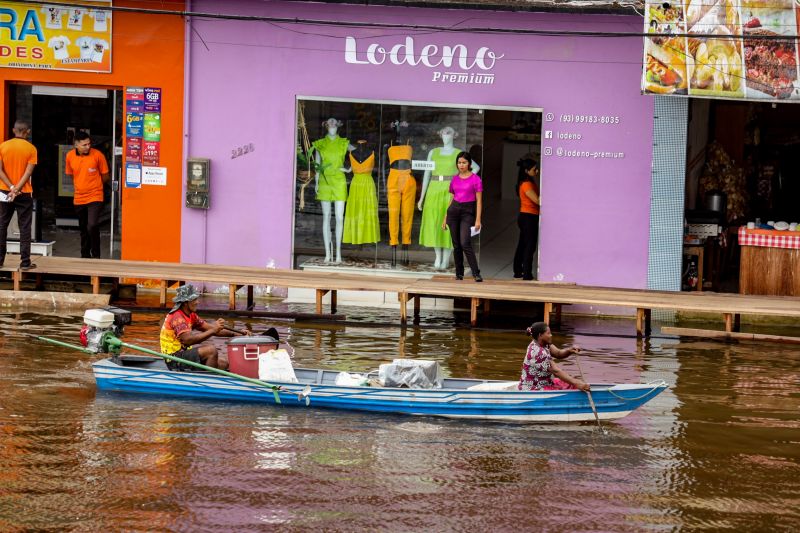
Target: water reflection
pixel 717 450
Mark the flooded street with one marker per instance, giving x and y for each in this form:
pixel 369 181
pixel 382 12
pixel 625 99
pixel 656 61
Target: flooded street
pixel 720 449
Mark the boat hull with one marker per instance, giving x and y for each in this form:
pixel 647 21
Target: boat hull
pixel 612 401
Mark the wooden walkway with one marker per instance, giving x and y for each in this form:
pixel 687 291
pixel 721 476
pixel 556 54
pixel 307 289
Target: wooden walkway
pixel 480 295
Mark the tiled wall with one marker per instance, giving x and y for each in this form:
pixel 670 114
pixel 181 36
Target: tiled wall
pixel 668 176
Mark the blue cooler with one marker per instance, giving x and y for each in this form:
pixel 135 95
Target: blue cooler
pixel 243 353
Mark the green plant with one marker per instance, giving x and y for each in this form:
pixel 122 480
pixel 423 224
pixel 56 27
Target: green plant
pixel 306 161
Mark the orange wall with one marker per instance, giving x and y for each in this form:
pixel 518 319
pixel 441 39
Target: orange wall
pixel 147 51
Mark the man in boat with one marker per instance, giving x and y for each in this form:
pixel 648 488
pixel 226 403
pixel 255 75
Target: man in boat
pixel 183 332
pixel 539 371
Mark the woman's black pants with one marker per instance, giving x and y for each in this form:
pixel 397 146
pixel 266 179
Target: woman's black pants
pixel 528 238
pixel 460 218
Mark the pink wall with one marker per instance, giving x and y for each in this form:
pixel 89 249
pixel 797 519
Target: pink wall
pixel 595 216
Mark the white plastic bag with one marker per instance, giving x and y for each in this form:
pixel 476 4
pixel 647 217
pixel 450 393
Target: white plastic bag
pixel 411 373
pixel 351 380
pixel 276 365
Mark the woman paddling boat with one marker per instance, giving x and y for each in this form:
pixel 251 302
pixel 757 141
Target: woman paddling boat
pixel 539 371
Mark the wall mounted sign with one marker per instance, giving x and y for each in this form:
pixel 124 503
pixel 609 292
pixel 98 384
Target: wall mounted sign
pixel 53 36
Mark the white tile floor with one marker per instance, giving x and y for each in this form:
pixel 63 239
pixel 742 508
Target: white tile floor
pixel 68 241
pixel 499 239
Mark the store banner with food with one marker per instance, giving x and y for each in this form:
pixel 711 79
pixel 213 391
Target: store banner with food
pixel 742 49
pixel 56 35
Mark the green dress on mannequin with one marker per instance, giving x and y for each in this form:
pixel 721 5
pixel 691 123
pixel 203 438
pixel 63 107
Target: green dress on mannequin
pixel 332 181
pixel 361 224
pixel 437 198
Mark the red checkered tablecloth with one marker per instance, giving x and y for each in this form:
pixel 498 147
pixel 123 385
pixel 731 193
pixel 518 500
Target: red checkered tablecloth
pixel 769 238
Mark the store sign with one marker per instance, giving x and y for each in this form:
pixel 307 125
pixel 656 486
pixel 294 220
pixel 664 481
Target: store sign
pixel 743 49
pixel 448 64
pixel 56 36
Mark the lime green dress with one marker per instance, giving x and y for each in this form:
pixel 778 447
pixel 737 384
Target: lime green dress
pixel 332 185
pixel 437 198
pixel 361 224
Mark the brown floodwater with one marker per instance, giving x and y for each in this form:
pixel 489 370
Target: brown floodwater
pixel 719 450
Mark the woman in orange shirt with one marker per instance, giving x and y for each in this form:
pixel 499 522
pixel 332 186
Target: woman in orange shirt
pixel 528 218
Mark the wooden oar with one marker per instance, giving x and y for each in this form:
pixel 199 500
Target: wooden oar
pixel 238 331
pixel 245 332
pixel 589 394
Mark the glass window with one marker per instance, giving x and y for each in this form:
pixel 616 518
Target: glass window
pixel 373 179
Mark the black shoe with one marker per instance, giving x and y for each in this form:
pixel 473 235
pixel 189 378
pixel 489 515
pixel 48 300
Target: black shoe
pixel 517 276
pixel 527 278
pixel 459 277
pixel 478 278
pixel 29 266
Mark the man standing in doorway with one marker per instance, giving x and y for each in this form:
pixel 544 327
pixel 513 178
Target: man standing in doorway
pixel 17 159
pixel 89 171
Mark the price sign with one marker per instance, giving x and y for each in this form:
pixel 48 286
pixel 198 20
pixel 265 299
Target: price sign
pixel 133 149
pixel 151 153
pixel 418 164
pixel 152 100
pixel 152 126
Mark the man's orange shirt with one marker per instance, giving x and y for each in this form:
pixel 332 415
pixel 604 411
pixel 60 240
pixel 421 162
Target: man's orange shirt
pixel 16 154
pixel 86 171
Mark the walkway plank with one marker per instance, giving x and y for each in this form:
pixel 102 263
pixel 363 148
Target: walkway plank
pixel 716 334
pixel 552 295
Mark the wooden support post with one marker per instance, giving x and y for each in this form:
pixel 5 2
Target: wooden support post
pixel 639 322
pixel 162 293
pixel 232 288
pixel 95 284
pixel 487 305
pixel 333 302
pixel 416 299
pixel 647 322
pixel 548 309
pixel 320 294
pixel 558 313
pixel 250 303
pixel 17 277
pixel 737 322
pixel 473 311
pixel 403 297
pixel 728 322
pixel 39 282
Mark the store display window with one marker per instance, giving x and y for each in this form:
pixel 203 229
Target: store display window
pixel 372 183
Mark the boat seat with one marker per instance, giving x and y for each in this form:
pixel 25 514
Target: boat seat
pixel 137 360
pixel 496 386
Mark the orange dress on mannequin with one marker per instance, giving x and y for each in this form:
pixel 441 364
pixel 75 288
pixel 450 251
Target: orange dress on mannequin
pixel 401 191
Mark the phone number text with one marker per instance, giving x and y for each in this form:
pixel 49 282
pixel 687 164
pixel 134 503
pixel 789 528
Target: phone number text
pixel 589 119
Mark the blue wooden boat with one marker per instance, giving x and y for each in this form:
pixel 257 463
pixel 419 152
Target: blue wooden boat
pixel 458 398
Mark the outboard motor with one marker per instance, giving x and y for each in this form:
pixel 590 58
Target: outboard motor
pixel 98 322
pixel 122 318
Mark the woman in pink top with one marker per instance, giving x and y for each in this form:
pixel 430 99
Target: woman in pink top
pixel 463 213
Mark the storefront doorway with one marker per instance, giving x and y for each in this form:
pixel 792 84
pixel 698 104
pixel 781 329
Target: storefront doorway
pixel 56 114
pixel 374 237
pixel 743 167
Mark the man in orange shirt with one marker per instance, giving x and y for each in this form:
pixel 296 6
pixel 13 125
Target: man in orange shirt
pixel 89 171
pixel 17 159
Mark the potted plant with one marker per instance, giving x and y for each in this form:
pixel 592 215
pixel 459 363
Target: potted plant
pixel 307 166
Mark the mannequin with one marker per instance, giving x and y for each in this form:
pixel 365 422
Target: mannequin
pixel 435 197
pixel 401 190
pixel 330 184
pixel 361 224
